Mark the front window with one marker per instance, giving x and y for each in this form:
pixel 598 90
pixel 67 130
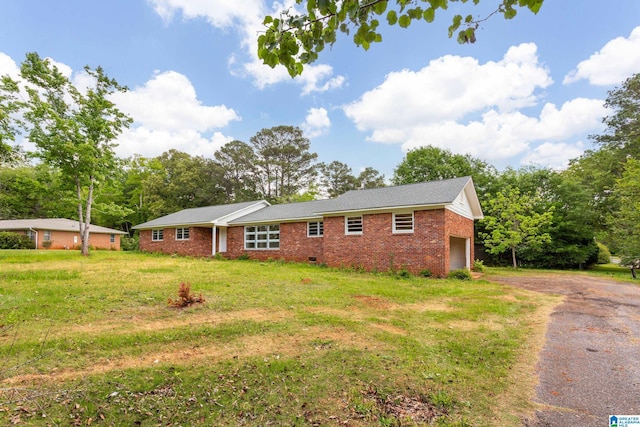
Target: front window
pixel 262 237
pixel 182 234
pixel 157 235
pixel 315 229
pixel 47 235
pixel 112 238
pixel 353 225
pixel 31 235
pixel 403 222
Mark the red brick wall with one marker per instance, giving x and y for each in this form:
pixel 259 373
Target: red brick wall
pixel 199 243
pixel 378 248
pixel 294 244
pixel 64 240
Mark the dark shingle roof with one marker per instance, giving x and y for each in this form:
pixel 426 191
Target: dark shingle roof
pixel 55 224
pixel 430 193
pixel 285 212
pixel 204 215
pixel 433 193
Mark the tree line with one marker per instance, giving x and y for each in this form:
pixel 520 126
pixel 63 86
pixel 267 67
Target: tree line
pixel 534 216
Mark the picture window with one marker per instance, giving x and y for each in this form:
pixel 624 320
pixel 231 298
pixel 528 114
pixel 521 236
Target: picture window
pixel 262 237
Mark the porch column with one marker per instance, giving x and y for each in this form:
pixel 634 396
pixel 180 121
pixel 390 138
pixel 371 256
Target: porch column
pixel 467 250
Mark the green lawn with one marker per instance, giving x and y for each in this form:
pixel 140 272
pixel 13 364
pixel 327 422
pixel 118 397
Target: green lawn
pixel 92 341
pixel 611 271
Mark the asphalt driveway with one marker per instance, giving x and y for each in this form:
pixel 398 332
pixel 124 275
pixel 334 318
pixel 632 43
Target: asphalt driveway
pixel 589 367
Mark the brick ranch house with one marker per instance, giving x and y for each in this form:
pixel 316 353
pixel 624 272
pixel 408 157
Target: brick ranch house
pixel 62 233
pixel 424 226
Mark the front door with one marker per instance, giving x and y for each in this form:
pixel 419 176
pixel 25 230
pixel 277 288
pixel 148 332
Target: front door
pixel 222 245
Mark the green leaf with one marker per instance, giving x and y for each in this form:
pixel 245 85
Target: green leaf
pixel 534 5
pixel 415 13
pixel 323 6
pixel 457 20
pixel 380 8
pixel 404 21
pixel 392 17
pixel 510 13
pixel 429 14
pixel 311 5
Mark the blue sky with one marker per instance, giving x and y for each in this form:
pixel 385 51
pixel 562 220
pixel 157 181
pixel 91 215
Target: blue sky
pixel 530 90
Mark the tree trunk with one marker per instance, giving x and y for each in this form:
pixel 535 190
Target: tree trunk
pixel 84 220
pixel 81 225
pixel 87 219
pixel 513 257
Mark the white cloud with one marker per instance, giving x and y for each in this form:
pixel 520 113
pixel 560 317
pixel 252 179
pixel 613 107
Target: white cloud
pixel 8 66
pixel 500 136
pixel 615 62
pixel 451 87
pixel 219 13
pixel 167 114
pixel 318 78
pixel 496 137
pixel 554 155
pixel 246 17
pixel 316 123
pixel 468 107
pixel 151 142
pixel 168 101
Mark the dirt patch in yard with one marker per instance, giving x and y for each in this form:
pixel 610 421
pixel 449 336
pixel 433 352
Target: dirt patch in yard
pixel 161 318
pixel 176 354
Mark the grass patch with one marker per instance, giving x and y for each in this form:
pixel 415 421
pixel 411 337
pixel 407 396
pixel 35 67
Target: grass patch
pixel 612 271
pixel 271 344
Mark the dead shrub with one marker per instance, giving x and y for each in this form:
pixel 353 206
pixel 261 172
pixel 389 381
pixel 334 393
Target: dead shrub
pixel 185 297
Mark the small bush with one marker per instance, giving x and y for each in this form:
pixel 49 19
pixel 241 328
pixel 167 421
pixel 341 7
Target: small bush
pixel 46 244
pixel 130 243
pixel 604 256
pixel 185 297
pixel 478 266
pixel 243 257
pixel 403 273
pixel 462 274
pixel 426 273
pixel 10 240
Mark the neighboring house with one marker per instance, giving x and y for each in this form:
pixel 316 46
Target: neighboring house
pixel 62 233
pixel 424 226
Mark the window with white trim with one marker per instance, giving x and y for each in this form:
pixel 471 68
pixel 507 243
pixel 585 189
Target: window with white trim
pixel 353 224
pixel 315 229
pixel 262 236
pixel 182 234
pixel 157 235
pixel 47 235
pixel 403 222
pixel 31 235
pixel 112 238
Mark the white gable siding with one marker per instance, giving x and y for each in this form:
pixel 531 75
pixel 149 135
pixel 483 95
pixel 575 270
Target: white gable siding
pixel 461 206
